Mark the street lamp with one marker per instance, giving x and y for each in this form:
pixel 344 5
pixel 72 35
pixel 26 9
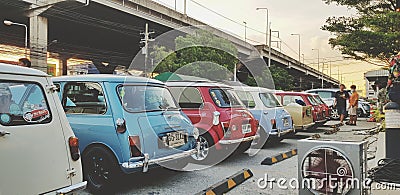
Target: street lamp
pixel 9 23
pixel 268 27
pixel 267 34
pixel 299 45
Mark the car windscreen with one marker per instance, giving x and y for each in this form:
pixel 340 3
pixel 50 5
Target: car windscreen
pixel 269 100
pixel 146 98
pixel 225 98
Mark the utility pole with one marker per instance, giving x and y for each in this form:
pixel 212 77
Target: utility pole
pixel 299 36
pixel 269 46
pixel 145 49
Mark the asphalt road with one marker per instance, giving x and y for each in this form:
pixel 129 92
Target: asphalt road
pixel 163 181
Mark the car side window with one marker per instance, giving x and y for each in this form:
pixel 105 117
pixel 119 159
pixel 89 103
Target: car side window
pixel 23 103
pixel 187 97
pixel 84 98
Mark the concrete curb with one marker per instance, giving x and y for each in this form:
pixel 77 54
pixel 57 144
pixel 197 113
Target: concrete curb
pixel 228 184
pixel 280 157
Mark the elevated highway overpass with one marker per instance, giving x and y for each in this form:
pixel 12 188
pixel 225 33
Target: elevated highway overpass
pixel 108 31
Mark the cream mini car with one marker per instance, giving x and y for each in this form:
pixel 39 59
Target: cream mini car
pixel 39 152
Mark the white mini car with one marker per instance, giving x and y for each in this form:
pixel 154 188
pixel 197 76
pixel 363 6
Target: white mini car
pixel 38 150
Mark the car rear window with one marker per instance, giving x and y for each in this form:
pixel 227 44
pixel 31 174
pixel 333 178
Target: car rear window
pixel 146 98
pixel 187 97
pixel 288 99
pixel 246 98
pixel 23 103
pixel 269 100
pixel 225 98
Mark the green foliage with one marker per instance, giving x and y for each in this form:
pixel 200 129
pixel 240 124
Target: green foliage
pixel 197 54
pixel 281 77
pixel 374 32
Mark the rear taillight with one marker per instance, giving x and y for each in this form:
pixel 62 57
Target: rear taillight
pixel 304 114
pixel 273 123
pixel 73 143
pixel 134 144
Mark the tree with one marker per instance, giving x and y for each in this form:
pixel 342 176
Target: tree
pixel 281 77
pixel 374 33
pixel 199 54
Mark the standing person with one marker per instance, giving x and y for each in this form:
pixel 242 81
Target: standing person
pixel 340 103
pixel 25 62
pixel 353 106
pixel 394 80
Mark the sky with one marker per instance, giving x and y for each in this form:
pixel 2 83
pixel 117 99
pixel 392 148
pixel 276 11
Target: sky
pixel 304 17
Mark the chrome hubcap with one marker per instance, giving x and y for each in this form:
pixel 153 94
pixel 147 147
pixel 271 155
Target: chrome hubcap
pixel 335 114
pixel 203 151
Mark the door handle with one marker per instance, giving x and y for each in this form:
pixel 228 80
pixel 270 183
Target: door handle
pixel 3 133
pixel 265 112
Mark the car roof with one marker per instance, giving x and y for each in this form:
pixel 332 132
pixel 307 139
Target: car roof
pixel 196 84
pixel 19 70
pixel 329 90
pixel 107 78
pixel 293 93
pixel 253 89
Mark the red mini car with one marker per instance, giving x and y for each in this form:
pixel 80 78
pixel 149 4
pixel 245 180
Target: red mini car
pixel 305 99
pixel 326 110
pixel 222 119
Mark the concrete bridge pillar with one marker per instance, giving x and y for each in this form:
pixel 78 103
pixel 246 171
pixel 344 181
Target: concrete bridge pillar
pixel 38 41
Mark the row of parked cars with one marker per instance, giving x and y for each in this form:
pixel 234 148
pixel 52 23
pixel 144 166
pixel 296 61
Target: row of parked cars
pixel 114 125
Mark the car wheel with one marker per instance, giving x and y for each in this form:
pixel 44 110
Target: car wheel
pixel 100 169
pixel 204 156
pixel 335 114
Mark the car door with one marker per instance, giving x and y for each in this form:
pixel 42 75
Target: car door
pixel 89 113
pixel 33 153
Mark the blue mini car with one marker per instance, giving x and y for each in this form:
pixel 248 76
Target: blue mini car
pixel 125 124
pixel 274 120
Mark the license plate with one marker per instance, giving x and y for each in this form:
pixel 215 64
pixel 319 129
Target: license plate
pixel 246 128
pixel 286 122
pixel 176 139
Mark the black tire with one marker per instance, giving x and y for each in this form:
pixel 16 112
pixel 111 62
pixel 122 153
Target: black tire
pixel 243 147
pixel 100 169
pixel 207 156
pixel 274 140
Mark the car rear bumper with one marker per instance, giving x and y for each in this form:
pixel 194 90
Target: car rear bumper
pixel 72 189
pixel 304 127
pixel 280 133
pixel 145 162
pixel 321 121
pixel 235 141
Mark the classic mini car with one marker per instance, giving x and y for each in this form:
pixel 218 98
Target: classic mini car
pixel 223 121
pixel 274 120
pixel 304 99
pixel 301 115
pixel 125 124
pixel 325 108
pixel 39 152
pixel 328 96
